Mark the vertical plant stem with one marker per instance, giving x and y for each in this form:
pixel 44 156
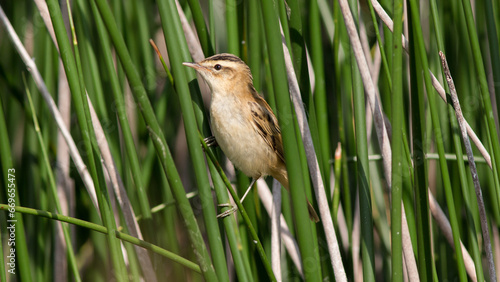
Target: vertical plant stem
pixel 203 34
pixel 494 48
pixel 346 134
pixel 53 190
pixel 232 27
pixel 363 171
pixel 481 76
pixel 77 159
pixel 275 50
pixel 421 55
pixel 7 163
pixel 312 162
pixel 88 134
pixel 7 166
pixel 435 83
pixel 473 170
pixel 254 38
pixel 420 182
pixel 385 65
pixel 170 19
pixel 458 151
pixel 275 230
pixel 318 61
pixel 397 142
pixel 380 127
pixel 146 57
pixel 211 23
pixel 231 227
pixel 255 238
pixel 367 250
pixel 299 55
pixel 159 142
pixel 119 103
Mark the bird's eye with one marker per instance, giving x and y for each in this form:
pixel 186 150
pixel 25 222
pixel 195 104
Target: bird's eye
pixel 217 67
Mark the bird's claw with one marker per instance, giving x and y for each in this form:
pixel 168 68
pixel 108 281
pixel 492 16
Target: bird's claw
pixel 228 212
pixel 211 142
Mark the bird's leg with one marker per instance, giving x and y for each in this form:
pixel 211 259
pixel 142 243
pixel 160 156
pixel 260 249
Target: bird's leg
pixel 233 209
pixel 211 141
pixel 248 190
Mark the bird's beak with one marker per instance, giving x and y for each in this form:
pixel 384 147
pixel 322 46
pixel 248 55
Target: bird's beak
pixel 194 66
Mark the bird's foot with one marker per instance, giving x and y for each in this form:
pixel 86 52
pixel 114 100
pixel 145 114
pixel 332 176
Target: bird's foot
pixel 228 212
pixel 211 142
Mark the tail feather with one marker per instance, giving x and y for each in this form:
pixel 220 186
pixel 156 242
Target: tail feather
pixel 282 177
pixel 312 213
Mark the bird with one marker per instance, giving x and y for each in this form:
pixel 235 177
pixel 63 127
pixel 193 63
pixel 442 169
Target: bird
pixel 242 122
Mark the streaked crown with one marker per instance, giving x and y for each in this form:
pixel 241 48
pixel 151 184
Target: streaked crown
pixel 223 72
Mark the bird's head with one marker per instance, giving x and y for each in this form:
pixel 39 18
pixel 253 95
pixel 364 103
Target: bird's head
pixel 223 73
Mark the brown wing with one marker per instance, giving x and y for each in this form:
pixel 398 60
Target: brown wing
pixel 266 124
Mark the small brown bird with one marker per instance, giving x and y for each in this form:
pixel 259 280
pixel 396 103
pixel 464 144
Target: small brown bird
pixel 242 122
